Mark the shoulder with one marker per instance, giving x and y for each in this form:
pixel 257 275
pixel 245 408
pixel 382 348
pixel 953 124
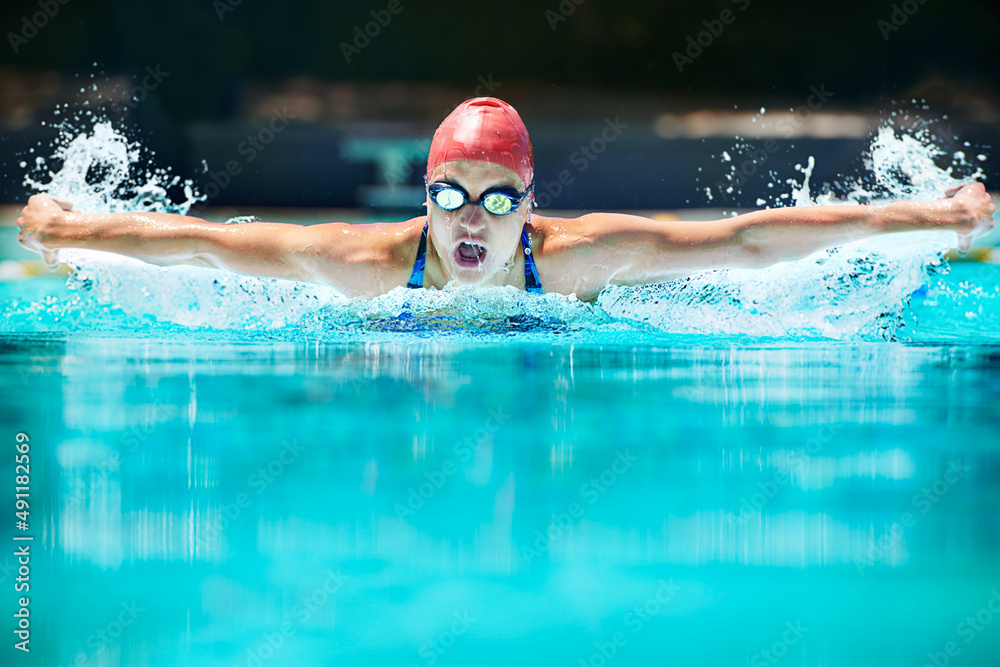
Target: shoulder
pixel 551 237
pixel 582 255
pixel 361 259
pixel 613 233
pixel 377 243
pixel 582 236
pixel 565 252
pixel 587 229
pixel 395 242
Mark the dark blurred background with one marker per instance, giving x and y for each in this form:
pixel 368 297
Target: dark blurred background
pixel 336 101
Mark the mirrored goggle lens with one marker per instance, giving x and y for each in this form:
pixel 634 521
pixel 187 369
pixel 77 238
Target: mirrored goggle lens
pixel 448 199
pixel 498 204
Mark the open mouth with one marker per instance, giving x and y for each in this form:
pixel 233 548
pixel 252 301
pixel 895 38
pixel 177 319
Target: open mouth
pixel 470 254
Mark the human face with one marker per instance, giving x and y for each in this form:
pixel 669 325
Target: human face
pixel 474 246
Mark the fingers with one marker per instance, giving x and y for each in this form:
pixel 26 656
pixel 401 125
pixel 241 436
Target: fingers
pixel 43 199
pixel 951 192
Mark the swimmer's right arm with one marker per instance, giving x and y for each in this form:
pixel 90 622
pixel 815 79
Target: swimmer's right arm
pixel 340 255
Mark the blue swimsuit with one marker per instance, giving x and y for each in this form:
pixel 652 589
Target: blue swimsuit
pixel 531 281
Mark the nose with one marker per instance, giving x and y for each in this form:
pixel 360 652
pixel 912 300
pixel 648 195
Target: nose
pixel 474 218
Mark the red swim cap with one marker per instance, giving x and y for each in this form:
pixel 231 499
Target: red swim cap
pixel 484 129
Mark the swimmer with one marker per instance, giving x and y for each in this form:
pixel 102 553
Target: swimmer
pixel 480 230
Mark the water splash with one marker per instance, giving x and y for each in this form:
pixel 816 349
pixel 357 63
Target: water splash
pixel 858 291
pixel 961 307
pixel 101 172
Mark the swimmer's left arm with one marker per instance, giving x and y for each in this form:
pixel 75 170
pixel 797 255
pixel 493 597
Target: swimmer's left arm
pixel 630 250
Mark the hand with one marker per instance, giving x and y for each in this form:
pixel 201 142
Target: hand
pixel 972 208
pixel 40 224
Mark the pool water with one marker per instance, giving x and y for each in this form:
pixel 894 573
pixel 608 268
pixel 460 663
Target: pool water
pixel 797 465
pixel 587 498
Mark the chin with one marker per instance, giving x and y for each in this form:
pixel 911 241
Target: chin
pixel 471 277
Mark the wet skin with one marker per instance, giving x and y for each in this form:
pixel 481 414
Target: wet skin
pixel 574 256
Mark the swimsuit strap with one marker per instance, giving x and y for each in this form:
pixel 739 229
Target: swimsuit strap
pixel 417 277
pixel 531 281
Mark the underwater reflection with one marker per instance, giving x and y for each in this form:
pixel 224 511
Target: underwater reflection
pixel 376 500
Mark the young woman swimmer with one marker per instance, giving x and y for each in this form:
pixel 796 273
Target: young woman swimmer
pixel 480 231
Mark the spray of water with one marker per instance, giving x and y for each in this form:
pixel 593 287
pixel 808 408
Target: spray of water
pixel 858 291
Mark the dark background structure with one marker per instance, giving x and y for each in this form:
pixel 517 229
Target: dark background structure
pixel 367 82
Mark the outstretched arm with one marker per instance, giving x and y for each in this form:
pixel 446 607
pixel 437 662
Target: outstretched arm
pixel 355 259
pixel 632 250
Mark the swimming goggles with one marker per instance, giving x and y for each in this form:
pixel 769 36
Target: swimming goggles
pixel 498 201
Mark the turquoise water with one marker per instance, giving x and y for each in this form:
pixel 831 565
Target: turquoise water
pixel 797 465
pixel 489 496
